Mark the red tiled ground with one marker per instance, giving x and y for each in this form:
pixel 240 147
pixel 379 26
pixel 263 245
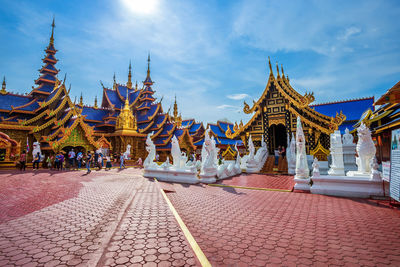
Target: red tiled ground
pixel 239 227
pixel 25 192
pixel 285 182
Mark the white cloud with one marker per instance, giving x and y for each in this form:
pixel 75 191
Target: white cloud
pixel 226 107
pixel 351 31
pixel 237 96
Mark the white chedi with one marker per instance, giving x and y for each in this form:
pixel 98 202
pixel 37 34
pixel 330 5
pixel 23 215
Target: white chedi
pixel 302 171
pixel 337 166
pixel 36 149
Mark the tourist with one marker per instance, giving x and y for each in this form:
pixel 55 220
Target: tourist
pixel 108 163
pixel 36 161
pixel 121 161
pixel 22 161
pixel 283 152
pixel 49 162
pixel 276 153
pixel 79 158
pixel 88 162
pixel 100 161
pixel 71 158
pixel 57 161
pixel 62 159
pixel 96 158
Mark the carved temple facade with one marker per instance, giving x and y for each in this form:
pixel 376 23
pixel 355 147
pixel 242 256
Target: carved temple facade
pixel 275 113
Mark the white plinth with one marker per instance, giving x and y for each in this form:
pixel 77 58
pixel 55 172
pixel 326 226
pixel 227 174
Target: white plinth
pixel 302 184
pixel 175 176
pixel 208 178
pixel 347 186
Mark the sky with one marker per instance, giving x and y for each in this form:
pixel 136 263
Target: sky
pixel 212 55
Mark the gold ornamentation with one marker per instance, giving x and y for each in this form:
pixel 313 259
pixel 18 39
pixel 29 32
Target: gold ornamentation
pixel 247 108
pixel 320 152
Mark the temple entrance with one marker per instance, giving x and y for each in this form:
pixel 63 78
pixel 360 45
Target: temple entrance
pixel 277 137
pixel 66 149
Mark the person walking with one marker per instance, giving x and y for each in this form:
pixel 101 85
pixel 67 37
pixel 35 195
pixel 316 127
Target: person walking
pixel 36 161
pixel 88 162
pixel 57 161
pixel 121 161
pixel 49 162
pixel 62 159
pixel 79 158
pixel 22 161
pixel 100 161
pixel 108 163
pixel 71 159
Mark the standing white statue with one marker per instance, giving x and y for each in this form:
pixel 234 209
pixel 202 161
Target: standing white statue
pixel 291 155
pixel 315 166
pixel 176 152
pixel 375 174
pixel 151 149
pixel 36 149
pixel 347 137
pixel 127 153
pixel 365 150
pixel 349 152
pixel 251 149
pixel 302 171
pixel 337 166
pixel 208 164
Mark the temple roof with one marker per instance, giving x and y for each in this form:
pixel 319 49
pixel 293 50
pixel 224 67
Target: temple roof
pixel 8 100
pixel 216 130
pixel 146 116
pixel 195 127
pixel 96 114
pixel 351 108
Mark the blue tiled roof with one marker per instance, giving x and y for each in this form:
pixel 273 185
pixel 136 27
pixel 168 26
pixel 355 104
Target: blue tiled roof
pixel 50 67
pixel 51 48
pixel 94 114
pixel 114 99
pixel 195 127
pixel 148 80
pixel 346 124
pixel 44 87
pixel 51 56
pixel 187 123
pixel 199 142
pixel 69 123
pixel 30 107
pixel 352 109
pixel 132 96
pixel 225 141
pixel 8 100
pixel 145 104
pixel 159 119
pixel 144 125
pixel 48 77
pixel 217 131
pixel 144 116
pixel 167 146
pixel 160 140
pixel 167 128
pixel 178 132
pixel 224 126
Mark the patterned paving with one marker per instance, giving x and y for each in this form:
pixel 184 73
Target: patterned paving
pixel 116 219
pixel 239 227
pixel 283 182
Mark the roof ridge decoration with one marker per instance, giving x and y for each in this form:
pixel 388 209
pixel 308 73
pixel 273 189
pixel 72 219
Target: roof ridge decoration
pixel 129 83
pixel 3 87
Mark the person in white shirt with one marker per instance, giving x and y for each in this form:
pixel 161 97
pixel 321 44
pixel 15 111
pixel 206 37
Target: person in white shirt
pixel 71 158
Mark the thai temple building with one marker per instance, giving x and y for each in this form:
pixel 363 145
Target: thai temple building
pixel 127 114
pixel 275 113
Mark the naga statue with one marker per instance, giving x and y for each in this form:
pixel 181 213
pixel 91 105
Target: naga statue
pixel 365 149
pixel 151 149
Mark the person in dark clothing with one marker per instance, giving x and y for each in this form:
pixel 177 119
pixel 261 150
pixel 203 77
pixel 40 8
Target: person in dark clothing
pixel 22 161
pixel 36 161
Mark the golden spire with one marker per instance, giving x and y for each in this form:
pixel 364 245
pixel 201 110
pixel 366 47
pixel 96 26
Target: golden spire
pixel 270 67
pixel 65 77
pixel 114 82
pixel 95 102
pixel 81 100
pixel 283 73
pixel 127 99
pixel 53 25
pixel 277 70
pixel 175 109
pixel 136 86
pixel 3 86
pixel 129 83
pixel 148 65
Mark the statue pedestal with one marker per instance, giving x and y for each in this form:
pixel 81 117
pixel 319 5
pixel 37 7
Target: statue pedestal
pixel 302 184
pixel 345 186
pixel 358 174
pixel 208 176
pixel 323 167
pixel 251 166
pixel 172 175
pixel 349 157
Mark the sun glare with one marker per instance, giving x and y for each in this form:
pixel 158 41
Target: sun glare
pixel 141 6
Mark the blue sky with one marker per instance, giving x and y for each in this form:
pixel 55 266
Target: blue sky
pixel 211 54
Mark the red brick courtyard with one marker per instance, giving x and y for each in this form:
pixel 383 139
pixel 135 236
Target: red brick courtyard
pixel 119 218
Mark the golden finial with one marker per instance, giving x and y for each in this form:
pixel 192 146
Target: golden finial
pixel 127 98
pixel 129 83
pixel 287 78
pixel 283 73
pixel 270 67
pixel 53 25
pixel 175 109
pixel 148 66
pixel 65 77
pixel 114 82
pixel 136 87
pixel 277 70
pixel 95 102
pixel 81 100
pixel 3 86
pixel 69 89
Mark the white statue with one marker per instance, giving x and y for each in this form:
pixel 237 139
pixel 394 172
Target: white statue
pixel 302 171
pixel 36 149
pixel 291 155
pixel 166 165
pixel 375 174
pixel 237 168
pixel 262 152
pixel 209 163
pixel 315 166
pixel 365 149
pixel 127 153
pixel 151 149
pixel 337 166
pixel 347 138
pixel 176 152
